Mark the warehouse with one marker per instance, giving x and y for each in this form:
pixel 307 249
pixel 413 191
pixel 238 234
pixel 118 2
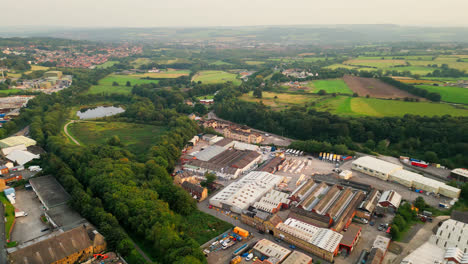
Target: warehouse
pixel 209 153
pixel 404 177
pixel 49 191
pixel 350 238
pixel 450 234
pixel 449 191
pixel 239 195
pixel 303 190
pixel 313 198
pixel 390 200
pixel 228 163
pixel 375 167
pixel 367 207
pixel 459 174
pixel 15 141
pixel 427 184
pixel 297 257
pixel 321 242
pixel 273 165
pixel 274 252
pixel 272 202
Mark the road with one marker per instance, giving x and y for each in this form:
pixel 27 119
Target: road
pixel 22 132
pixel 3 254
pixel 65 129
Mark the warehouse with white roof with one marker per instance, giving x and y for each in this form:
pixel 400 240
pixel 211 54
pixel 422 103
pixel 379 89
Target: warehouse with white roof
pixel 239 195
pixel 388 171
pixel 274 252
pixel 375 167
pixel 318 241
pixel 272 201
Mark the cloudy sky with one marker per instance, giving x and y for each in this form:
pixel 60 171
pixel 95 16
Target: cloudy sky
pixel 187 13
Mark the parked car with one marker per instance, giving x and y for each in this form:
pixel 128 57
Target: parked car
pixel 371 223
pixel 292 246
pixel 249 257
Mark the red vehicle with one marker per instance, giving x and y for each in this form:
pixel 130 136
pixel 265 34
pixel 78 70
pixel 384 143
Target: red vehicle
pixel 419 164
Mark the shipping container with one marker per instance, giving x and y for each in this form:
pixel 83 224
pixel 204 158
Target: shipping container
pixel 419 164
pixel 241 232
pixel 334 157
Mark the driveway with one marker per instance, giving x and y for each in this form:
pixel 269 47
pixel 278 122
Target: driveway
pixel 28 227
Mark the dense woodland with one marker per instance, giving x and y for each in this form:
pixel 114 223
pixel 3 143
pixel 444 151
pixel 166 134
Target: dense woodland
pixel 110 186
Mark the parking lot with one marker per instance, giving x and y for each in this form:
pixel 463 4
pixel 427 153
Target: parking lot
pixel 30 226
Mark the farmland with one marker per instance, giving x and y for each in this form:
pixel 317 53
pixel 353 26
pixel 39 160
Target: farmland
pixel 330 86
pixel 352 106
pixel 136 137
pixel 107 64
pixel 140 61
pixel 105 85
pixel 374 88
pixel 280 100
pixel 448 93
pixel 209 77
pixel 375 63
pixel 249 62
pixel 163 74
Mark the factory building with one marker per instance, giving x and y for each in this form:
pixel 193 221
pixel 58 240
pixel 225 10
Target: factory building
pixel 239 195
pixel 367 207
pixel 274 252
pixel 225 163
pixel 459 174
pixel 350 238
pixel 297 257
pixel 392 172
pixel 375 167
pixel 390 199
pixel 451 234
pixel 321 242
pixel 272 202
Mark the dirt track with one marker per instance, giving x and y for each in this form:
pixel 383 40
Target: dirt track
pixel 374 88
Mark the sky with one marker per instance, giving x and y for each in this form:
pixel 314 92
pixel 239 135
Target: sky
pixel 196 13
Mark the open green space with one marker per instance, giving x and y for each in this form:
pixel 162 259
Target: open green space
pixel 136 137
pixel 208 77
pixel 281 100
pixel 352 106
pixel 375 63
pixel 10 91
pixel 107 64
pixel 140 61
pixel 105 85
pixel 211 96
pixel 9 214
pixel 169 74
pixel 251 62
pixel 448 93
pixel 330 86
pixel 299 59
pixel 220 62
pixel 203 227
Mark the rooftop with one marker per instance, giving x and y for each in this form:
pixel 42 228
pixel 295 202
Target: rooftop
pixel 65 217
pixel 381 242
pixel 428 253
pixel 376 164
pixel 350 235
pixel 460 171
pixel 271 250
pixel 49 191
pixel 17 140
pixel 297 257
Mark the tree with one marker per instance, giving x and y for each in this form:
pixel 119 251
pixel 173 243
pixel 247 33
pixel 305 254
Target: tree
pixel 210 178
pixel 322 92
pixel 257 93
pixel 395 232
pixel 115 83
pixel 200 109
pixel 355 95
pixel 114 141
pixel 431 156
pixel 420 203
pixel 128 84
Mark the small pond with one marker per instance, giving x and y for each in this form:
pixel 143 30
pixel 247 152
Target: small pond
pixel 100 111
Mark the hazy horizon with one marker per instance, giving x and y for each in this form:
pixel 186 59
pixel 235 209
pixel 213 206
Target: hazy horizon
pixel 239 13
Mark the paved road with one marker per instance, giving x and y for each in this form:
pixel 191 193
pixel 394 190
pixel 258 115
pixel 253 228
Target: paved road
pixel 3 254
pixel 22 132
pixel 65 129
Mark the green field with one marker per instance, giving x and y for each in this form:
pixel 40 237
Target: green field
pixel 449 94
pixel 375 63
pixel 220 62
pixel 208 77
pixel 281 100
pixel 9 214
pixel 254 62
pixel 169 74
pixel 140 61
pixel 107 64
pixel 10 91
pixel 330 86
pixel 378 107
pixel 105 85
pixel 203 227
pixel 336 66
pixel 136 137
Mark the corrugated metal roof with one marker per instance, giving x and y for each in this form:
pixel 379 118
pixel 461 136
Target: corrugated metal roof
pixel 376 164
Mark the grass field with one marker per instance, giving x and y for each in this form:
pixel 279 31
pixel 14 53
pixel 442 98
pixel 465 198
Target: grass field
pixel 203 227
pixel 9 214
pixel 35 68
pixel 254 62
pixel 375 63
pixel 107 64
pixel 163 74
pixel 136 137
pixel 330 86
pixel 345 105
pixel 140 61
pixel 449 94
pixel 105 84
pixel 220 62
pixel 208 77
pixel 336 66
pixel 10 91
pixel 421 70
pixel 282 99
